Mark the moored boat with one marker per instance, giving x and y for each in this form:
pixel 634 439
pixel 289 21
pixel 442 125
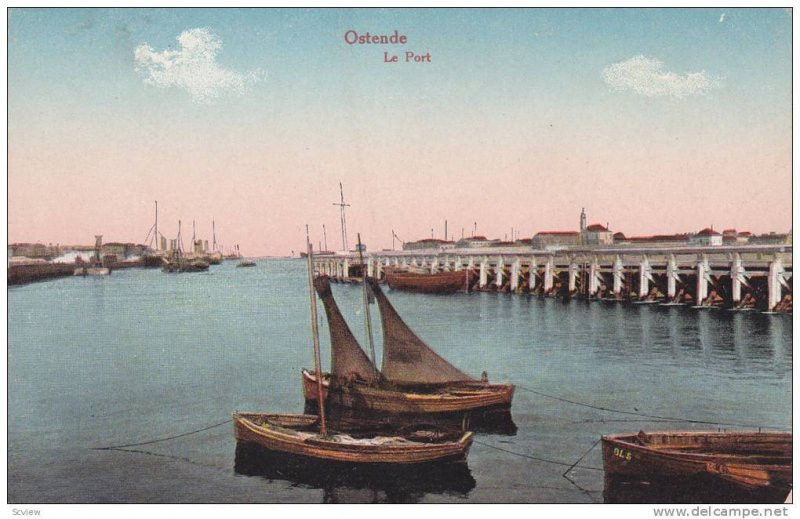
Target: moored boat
pixel 421 399
pixel 749 461
pixel 300 435
pixel 176 260
pixel 179 263
pixel 430 283
pixel 246 263
pixel 413 378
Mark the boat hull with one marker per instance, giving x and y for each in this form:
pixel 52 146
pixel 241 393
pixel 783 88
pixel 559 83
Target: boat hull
pixel 437 283
pixel 264 431
pixel 92 271
pixel 458 398
pixel 173 267
pixel 749 461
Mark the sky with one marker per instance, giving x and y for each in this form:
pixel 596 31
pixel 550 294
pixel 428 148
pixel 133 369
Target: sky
pixel 654 120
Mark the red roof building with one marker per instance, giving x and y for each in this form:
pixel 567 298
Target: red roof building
pixel 706 237
pixel 596 227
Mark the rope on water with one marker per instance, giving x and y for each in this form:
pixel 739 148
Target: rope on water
pixel 645 415
pixel 535 458
pixel 113 447
pixel 579 460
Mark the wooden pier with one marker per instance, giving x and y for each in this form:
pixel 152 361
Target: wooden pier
pixel 724 275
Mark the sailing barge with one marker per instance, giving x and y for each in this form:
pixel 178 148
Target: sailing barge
pixel 413 378
pixel 749 461
pixel 434 283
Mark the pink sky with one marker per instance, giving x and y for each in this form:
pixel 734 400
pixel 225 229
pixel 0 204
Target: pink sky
pixel 261 195
pixel 261 114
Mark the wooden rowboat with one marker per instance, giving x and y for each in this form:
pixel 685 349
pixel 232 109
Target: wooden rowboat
pixel 299 435
pixel 749 461
pixel 453 398
pixel 436 283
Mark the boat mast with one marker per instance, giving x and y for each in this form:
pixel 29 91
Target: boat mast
pixel 194 238
pixel 315 335
pixel 179 244
pixel 325 236
pixel 214 235
pixel 342 205
pixel 367 320
pixel 156 228
pixel 154 232
pixel 98 243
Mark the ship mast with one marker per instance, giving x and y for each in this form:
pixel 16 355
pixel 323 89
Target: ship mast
pixel 154 231
pixel 342 205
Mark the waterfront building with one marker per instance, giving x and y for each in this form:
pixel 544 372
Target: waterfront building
pixel 772 238
pixel 121 250
pixel 475 242
pixel 656 240
pixel 35 250
pixel 706 237
pixel 429 243
pixel 732 237
pixel 549 239
pixel 597 234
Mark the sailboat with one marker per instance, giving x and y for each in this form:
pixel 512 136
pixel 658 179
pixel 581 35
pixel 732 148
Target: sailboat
pixel 215 256
pixel 413 378
pixel 308 437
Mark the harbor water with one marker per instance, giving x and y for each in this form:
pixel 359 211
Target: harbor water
pixel 154 364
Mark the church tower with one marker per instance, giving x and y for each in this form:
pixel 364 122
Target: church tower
pixel 583 219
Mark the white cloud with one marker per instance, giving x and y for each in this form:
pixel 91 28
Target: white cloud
pixel 647 77
pixel 193 67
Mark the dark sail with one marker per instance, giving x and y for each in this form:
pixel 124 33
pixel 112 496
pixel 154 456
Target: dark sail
pixel 406 358
pixel 348 360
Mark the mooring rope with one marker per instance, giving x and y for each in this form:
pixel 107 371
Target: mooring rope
pixel 535 458
pixel 112 447
pixel 645 415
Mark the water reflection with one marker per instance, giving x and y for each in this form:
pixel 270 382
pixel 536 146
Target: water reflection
pixel 351 483
pixel 723 341
pixel 493 421
pixel 695 490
